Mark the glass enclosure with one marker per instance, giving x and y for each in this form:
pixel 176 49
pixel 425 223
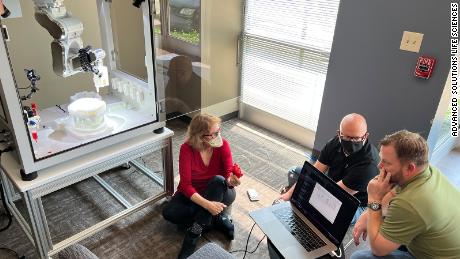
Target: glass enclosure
pixel 92 69
pixel 82 71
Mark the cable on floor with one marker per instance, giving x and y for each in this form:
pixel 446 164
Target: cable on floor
pixel 5 206
pixel 3 250
pixel 247 243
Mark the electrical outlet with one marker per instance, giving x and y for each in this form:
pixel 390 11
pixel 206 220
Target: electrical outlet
pixel 411 41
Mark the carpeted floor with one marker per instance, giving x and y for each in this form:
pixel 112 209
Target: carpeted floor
pixel 265 158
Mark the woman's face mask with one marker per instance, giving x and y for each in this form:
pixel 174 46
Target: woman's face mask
pixel 216 141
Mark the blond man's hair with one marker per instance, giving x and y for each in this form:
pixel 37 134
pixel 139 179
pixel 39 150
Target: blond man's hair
pixel 198 127
pixel 409 146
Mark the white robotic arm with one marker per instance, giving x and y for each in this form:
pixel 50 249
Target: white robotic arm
pixel 69 54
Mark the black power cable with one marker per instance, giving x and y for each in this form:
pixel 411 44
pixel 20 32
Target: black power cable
pixel 33 78
pixel 7 211
pixel 247 243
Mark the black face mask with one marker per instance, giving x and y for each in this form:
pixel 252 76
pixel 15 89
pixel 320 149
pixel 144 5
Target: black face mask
pixel 350 147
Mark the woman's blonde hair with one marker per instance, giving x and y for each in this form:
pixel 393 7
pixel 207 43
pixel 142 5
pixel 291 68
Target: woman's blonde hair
pixel 198 127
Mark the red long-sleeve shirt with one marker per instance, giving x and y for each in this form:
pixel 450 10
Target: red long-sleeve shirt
pixel 194 175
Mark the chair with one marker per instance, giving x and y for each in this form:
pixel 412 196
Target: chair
pixel 211 250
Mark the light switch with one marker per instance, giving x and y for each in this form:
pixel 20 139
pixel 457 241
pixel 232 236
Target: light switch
pixel 411 41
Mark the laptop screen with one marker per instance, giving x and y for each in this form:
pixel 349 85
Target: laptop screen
pixel 324 203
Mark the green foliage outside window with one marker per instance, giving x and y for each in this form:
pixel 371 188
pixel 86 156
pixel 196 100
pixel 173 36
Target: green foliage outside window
pixel 192 36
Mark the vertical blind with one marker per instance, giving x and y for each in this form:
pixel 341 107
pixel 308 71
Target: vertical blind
pixel 285 54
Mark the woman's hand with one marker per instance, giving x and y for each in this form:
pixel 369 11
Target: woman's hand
pixel 233 180
pixel 215 207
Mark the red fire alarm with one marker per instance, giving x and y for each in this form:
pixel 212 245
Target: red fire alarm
pixel 424 67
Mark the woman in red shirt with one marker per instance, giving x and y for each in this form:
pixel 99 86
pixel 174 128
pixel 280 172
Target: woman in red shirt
pixel 206 182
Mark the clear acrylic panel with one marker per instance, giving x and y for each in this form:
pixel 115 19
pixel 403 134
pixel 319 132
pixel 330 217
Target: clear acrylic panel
pixel 196 52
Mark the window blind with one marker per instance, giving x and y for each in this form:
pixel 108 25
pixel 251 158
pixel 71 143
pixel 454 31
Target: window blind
pixel 285 54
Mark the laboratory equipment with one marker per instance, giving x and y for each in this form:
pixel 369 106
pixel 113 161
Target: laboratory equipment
pixel 51 95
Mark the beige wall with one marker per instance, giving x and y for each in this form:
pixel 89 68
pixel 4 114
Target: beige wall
pixel 128 34
pixel 30 48
pixel 221 27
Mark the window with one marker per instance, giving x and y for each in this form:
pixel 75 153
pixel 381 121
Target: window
pixel 157 18
pixel 178 55
pixel 286 47
pixel 179 21
pixel 184 20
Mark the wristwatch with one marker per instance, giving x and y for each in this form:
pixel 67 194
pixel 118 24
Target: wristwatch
pixel 375 206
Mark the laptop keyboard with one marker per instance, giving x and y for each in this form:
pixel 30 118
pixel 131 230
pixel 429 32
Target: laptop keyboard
pixel 301 231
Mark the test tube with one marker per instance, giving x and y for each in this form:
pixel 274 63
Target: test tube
pixel 121 86
pixel 140 97
pixel 35 136
pixel 113 83
pixel 34 108
pixel 132 92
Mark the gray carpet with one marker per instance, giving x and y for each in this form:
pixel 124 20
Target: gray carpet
pixel 265 158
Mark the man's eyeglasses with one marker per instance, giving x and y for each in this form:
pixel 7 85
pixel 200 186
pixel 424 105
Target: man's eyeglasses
pixel 353 139
pixel 213 135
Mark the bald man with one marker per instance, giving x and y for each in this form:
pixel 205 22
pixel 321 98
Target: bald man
pixel 348 159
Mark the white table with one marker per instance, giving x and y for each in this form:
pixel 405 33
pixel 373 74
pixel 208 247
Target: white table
pixel 88 165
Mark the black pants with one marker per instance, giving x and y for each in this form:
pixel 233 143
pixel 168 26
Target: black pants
pixel 181 210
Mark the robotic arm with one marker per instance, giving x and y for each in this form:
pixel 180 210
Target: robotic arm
pixel 69 54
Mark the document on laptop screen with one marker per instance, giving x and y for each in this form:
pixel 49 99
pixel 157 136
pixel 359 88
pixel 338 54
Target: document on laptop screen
pixel 326 203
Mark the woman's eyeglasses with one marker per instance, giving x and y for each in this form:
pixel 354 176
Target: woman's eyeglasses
pixel 213 135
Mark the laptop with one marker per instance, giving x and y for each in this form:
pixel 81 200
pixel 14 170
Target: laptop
pixel 314 222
